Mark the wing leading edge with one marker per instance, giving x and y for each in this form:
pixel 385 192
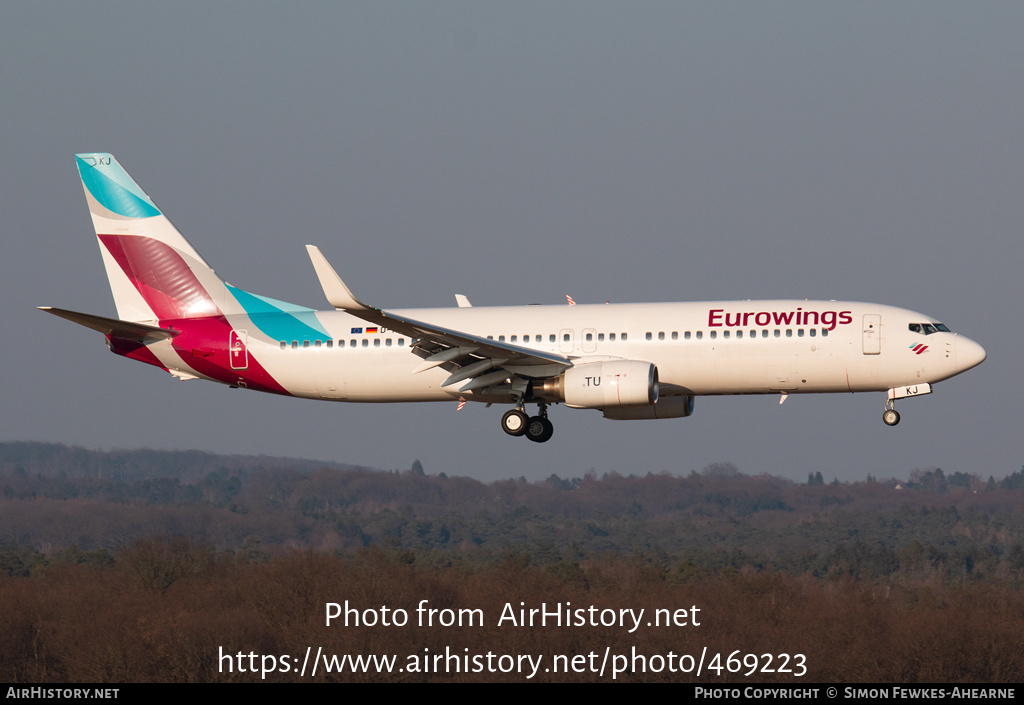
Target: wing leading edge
pixel 484 362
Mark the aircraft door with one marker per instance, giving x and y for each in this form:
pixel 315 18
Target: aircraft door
pixel 589 340
pixel 872 336
pixel 237 351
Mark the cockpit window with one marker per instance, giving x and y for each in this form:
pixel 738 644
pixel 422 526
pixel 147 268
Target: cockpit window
pixel 928 328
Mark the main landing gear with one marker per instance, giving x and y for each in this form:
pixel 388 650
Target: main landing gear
pixel 890 416
pixel 537 428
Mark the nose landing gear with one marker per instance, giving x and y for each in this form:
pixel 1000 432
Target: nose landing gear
pixel 890 416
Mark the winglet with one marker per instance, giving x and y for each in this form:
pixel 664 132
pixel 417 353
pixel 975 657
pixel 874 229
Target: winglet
pixel 338 295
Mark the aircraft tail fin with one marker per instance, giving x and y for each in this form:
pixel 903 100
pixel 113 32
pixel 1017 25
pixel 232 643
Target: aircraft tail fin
pixel 154 273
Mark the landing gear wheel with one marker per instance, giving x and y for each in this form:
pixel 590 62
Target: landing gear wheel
pixel 539 429
pixel 514 422
pixel 891 417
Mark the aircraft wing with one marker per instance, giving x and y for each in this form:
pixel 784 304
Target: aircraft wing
pixel 483 361
pixel 125 330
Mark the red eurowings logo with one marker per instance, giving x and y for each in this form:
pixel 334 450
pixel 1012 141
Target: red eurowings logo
pixel 919 348
pixel 718 317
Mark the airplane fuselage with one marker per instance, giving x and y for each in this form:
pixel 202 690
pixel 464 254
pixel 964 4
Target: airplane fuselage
pixel 699 348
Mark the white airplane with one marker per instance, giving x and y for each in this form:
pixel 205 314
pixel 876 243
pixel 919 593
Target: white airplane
pixel 630 361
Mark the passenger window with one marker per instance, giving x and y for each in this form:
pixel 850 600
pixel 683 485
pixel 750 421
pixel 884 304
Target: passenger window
pixel 538 338
pixel 329 343
pixel 661 335
pixel 376 342
pixel 283 345
pixel 800 333
pixel 649 336
pixel 686 335
pixel 777 332
pixel 590 337
pixel 739 334
pixel 388 342
pixel 824 332
pixel 501 339
pixel 813 332
pixel 514 339
pixel 611 336
pixel 764 333
pixel 700 334
pixel 565 337
pixel 316 344
pixel 366 343
pixel 714 334
pixel 401 342
pixel 675 335
pixel 600 337
pixel 725 334
pixel 295 344
pixel 551 338
pixel 305 343
pixel 789 332
pixel 623 337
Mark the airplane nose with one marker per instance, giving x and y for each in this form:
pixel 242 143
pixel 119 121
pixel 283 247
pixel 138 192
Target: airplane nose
pixel 968 354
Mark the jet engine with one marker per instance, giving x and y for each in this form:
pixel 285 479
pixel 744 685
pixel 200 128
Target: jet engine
pixel 607 384
pixel 665 408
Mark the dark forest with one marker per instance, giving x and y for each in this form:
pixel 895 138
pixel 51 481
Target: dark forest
pixel 141 566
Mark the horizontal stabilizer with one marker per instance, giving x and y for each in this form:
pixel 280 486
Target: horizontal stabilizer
pixel 125 330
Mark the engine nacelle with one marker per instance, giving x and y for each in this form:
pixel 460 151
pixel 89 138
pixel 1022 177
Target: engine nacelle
pixel 602 385
pixel 665 408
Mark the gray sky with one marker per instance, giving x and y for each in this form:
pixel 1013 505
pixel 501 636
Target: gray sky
pixel 516 152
